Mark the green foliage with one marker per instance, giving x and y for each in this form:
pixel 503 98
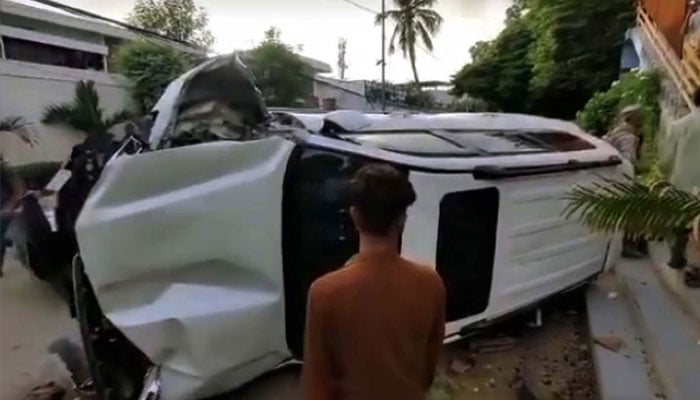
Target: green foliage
pixel 637 209
pixel 177 19
pixel 37 175
pixel 550 58
pixel 150 68
pixel 414 21
pixel 419 99
pixel 84 112
pixel 501 70
pixel 641 88
pixel 279 72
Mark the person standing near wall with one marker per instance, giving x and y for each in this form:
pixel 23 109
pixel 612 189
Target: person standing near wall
pixel 679 159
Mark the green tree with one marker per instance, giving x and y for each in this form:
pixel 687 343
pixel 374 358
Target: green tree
pixel 414 21
pixel 177 19
pixel 150 68
pixel 551 57
pixel 279 72
pixel 501 70
pixel 84 112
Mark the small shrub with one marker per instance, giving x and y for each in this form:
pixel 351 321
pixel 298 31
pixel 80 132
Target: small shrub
pixel 150 68
pixel 37 175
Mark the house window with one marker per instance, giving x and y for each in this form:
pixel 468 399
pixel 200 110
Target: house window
pixel 40 53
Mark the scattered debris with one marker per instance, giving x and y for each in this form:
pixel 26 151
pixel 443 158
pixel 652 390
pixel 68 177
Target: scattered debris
pixel 524 393
pixel 492 345
pixel 612 295
pixel 537 321
pixel 612 343
pixel 47 391
pixel 86 389
pixel 462 364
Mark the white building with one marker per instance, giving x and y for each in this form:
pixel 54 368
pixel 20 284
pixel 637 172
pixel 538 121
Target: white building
pixel 44 52
pixel 337 94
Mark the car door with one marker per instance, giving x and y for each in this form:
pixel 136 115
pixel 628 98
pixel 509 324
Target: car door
pixel 183 250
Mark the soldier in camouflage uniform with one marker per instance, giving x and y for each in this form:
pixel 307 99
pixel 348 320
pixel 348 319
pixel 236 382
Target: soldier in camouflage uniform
pixel 626 138
pixel 626 134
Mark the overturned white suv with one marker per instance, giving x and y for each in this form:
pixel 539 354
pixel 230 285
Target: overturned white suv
pixel 197 252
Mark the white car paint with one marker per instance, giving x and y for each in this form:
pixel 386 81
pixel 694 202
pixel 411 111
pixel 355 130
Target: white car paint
pixel 188 264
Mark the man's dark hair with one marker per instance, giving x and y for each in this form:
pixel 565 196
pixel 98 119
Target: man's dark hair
pixel 696 97
pixel 381 194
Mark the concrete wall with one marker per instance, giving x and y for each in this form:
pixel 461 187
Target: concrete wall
pixel 347 95
pixel 26 89
pixel 53 143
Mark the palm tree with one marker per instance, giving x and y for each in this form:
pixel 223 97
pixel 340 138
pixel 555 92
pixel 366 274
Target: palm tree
pixel 639 210
pixel 83 112
pixel 414 21
pixel 16 126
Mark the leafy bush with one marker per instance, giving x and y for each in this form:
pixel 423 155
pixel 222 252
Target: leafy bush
pixel 84 112
pixel 642 88
pixel 150 67
pixel 37 175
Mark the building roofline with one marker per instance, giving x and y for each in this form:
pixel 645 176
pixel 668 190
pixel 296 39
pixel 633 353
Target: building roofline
pixel 86 21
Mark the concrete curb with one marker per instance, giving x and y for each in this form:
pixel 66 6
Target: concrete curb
pixel 622 375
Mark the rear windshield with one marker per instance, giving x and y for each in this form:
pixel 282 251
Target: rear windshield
pixel 471 143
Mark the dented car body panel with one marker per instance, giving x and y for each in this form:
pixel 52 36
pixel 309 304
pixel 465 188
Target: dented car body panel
pixel 182 264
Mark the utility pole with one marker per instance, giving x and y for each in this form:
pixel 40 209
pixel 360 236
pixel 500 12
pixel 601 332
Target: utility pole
pixel 383 55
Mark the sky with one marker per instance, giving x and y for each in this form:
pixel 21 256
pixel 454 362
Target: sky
pixel 317 25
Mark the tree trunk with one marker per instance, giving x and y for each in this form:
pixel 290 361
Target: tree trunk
pixel 412 55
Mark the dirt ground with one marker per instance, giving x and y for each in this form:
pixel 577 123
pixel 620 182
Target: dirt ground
pixel 547 363
pixel 32 317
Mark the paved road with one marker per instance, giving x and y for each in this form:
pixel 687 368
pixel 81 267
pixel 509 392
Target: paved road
pixel 32 316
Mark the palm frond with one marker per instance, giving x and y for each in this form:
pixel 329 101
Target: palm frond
pixel 632 207
pixel 392 41
pixel 12 123
pixel 58 114
pixel 88 101
pixel 424 3
pixel 431 19
pixel 425 36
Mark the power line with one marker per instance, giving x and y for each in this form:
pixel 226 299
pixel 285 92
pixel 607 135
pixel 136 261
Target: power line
pixel 360 6
pixel 375 13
